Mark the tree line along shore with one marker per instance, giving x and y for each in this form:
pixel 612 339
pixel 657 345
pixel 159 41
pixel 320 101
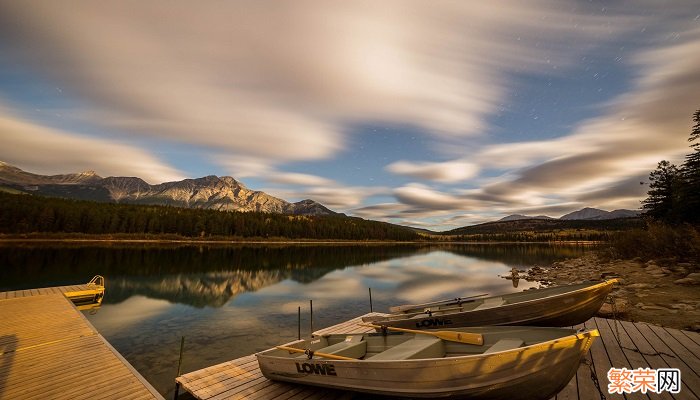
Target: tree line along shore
pixel 35 217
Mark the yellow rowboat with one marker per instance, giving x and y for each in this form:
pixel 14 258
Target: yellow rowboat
pixel 556 306
pixel 511 363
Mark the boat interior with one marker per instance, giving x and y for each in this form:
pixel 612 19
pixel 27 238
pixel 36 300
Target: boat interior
pixel 392 346
pixel 454 306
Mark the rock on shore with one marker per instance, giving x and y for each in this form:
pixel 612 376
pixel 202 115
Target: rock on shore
pixel 660 292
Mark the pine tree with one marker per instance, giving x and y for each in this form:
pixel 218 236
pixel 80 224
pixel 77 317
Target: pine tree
pixel 691 176
pixel 663 202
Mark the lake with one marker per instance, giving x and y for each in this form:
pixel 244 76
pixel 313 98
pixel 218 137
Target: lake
pixel 233 300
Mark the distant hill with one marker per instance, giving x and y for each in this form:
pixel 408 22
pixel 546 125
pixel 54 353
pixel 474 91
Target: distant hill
pixel 597 223
pixel 517 217
pixel 587 213
pixel 210 192
pixel 596 214
pixel 545 225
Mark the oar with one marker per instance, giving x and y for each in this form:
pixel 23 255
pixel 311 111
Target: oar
pixel 452 336
pixel 393 317
pixel 315 353
pixel 428 311
pixel 407 307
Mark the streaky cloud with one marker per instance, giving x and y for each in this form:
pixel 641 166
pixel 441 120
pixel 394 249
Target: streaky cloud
pixel 449 171
pixel 41 149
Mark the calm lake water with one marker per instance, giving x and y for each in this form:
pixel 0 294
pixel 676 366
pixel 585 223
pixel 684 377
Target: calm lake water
pixel 230 301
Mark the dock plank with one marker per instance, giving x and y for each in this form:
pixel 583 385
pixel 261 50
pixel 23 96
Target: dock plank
pixel 601 364
pixel 570 391
pixel 694 336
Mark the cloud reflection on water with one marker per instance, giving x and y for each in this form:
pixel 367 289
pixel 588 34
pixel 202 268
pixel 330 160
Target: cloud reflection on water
pixel 129 313
pixel 417 278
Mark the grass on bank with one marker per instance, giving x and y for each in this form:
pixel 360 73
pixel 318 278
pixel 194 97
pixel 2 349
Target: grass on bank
pixel 658 241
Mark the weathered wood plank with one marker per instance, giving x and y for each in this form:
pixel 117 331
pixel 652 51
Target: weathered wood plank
pixel 67 386
pixel 570 391
pixel 228 381
pixel 221 378
pixel 240 391
pixel 586 375
pixel 678 348
pixel 694 336
pixel 275 390
pixel 691 381
pixel 258 386
pixel 601 362
pixel 613 335
pixel 634 342
pixel 205 373
pixel 685 341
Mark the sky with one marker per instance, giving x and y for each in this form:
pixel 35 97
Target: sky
pixel 435 114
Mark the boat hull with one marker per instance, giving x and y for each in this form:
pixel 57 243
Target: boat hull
pixel 564 309
pixel 533 372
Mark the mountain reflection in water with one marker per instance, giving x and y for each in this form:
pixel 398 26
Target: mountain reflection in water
pixel 232 300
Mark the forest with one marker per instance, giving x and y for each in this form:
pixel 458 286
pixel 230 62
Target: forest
pixel 29 214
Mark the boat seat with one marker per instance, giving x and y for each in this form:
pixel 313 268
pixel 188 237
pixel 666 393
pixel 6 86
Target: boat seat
pixel 505 344
pixel 490 302
pixel 347 349
pixel 353 346
pixel 422 346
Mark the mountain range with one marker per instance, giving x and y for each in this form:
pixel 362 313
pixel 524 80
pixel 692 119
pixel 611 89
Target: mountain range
pixel 209 192
pixel 585 214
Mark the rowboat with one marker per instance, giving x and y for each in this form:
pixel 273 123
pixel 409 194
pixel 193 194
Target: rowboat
pixel 555 306
pixel 506 363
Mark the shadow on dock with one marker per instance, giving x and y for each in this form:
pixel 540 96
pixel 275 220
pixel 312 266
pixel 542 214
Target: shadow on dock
pixel 8 345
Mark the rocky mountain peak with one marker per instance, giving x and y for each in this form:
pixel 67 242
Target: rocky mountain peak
pixel 211 192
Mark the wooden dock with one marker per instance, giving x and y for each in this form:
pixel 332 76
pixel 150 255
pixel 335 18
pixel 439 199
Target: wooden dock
pixel 621 345
pixel 49 350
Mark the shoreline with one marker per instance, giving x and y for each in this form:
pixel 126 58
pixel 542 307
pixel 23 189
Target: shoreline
pixel 68 240
pixel 661 292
